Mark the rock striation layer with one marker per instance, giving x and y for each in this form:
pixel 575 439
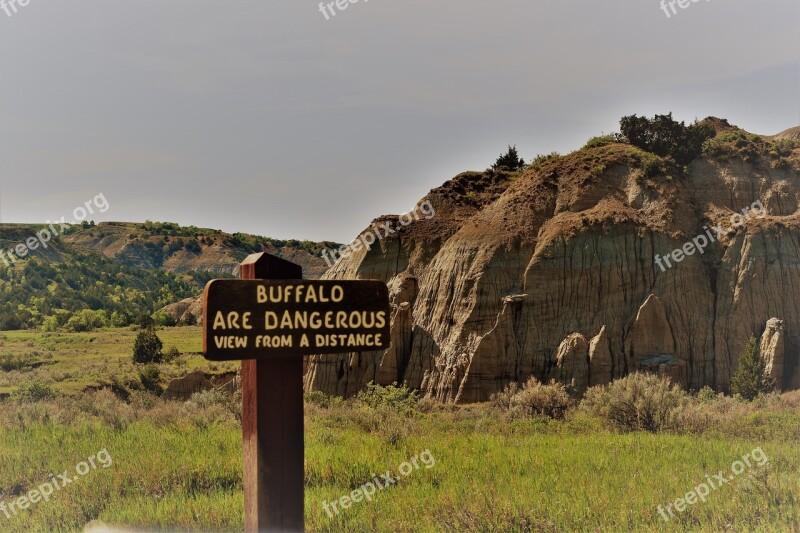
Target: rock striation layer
pixel 516 271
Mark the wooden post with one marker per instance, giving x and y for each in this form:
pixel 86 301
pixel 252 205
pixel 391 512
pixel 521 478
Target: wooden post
pixel 240 322
pixel 272 425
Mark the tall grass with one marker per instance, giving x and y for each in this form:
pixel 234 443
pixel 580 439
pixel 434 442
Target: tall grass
pixel 178 466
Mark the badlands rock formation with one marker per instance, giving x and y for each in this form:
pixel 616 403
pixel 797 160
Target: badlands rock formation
pixel 551 273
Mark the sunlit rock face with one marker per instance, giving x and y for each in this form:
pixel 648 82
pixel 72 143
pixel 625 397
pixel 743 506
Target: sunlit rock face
pixel 552 273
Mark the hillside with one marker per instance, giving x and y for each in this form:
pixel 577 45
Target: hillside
pixel 111 273
pixel 552 272
pixel 182 249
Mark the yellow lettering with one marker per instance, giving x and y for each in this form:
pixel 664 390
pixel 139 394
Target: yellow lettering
pixel 337 296
pixel 311 295
pixel 270 320
pixel 261 294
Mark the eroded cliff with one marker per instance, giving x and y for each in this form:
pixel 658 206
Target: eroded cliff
pixel 552 273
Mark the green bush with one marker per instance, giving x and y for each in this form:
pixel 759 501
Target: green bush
pixel 188 320
pixel 171 354
pixel 650 163
pixel 783 147
pixel 544 158
pixel 399 398
pixel 86 320
pixel 147 347
pixel 751 379
pixel 32 391
pixel 321 399
pixel 163 319
pixel 666 137
pixel 706 395
pixel 603 140
pixel 150 376
pixel 636 402
pixel 13 362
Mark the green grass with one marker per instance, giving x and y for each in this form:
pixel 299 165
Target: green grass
pixel 71 362
pixel 177 466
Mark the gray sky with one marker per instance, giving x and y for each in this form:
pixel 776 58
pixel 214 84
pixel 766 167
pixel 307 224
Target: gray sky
pixel 264 117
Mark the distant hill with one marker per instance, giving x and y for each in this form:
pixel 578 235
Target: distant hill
pixel 183 249
pixel 111 273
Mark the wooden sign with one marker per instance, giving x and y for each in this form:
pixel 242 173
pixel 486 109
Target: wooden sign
pixel 260 319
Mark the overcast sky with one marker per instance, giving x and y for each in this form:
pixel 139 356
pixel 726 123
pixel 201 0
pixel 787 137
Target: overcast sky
pixel 264 117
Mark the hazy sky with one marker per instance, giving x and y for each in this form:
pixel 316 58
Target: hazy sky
pixel 264 117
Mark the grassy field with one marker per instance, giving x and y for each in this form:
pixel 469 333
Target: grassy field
pixel 177 465
pixel 72 362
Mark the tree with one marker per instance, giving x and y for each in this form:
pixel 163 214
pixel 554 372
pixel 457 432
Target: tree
pixel 751 378
pixel 147 347
pixel 666 137
pixel 509 161
pixel 145 321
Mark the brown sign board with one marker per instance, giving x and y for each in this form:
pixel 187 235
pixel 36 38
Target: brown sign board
pixel 262 319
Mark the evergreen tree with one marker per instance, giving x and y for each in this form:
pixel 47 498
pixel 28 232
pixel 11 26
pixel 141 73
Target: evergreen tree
pixel 509 161
pixel 750 378
pixel 147 347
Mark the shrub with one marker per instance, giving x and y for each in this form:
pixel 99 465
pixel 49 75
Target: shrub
pixel 532 399
pixel 321 399
pixel 750 378
pixel 666 137
pixel 12 362
pixel 145 321
pixel 147 347
pixel 706 395
pixel 164 319
pixel 171 354
pixel 603 140
pixel 188 320
pixel 398 398
pixel 536 398
pixel 32 391
pixel 50 324
pixel 86 320
pixel 150 376
pixel 544 158
pixel 214 405
pixel 502 400
pixel 651 163
pixel 636 402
